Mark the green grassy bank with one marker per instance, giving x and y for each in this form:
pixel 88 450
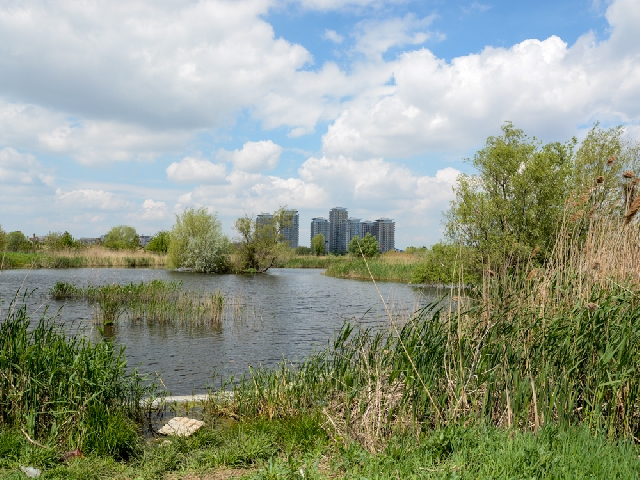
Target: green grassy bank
pixel 379 269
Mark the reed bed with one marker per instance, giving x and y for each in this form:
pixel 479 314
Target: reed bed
pixel 158 301
pixel 558 345
pixel 390 269
pixel 91 257
pixel 309 261
pixel 66 392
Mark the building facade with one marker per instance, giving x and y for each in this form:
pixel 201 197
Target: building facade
pixel 320 225
pixel 338 229
pixel 368 227
pixel 385 234
pixel 263 219
pixel 291 232
pixel 353 229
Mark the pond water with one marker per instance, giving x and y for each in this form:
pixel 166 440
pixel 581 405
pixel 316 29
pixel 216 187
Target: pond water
pixel 292 312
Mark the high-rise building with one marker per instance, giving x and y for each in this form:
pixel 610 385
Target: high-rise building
pixel 385 234
pixel 292 230
pixel 264 219
pixel 338 230
pixel 368 227
pixel 353 229
pixel 320 225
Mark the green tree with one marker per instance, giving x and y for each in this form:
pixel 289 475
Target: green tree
pixel 367 246
pixel 159 243
pixel 318 244
pixel 197 242
pixel 17 242
pixel 60 241
pixel 122 237
pixel 261 245
pixel 514 203
pixel 3 239
pixel 303 251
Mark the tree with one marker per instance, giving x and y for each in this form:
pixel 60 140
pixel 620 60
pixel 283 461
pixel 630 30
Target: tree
pixel 59 241
pixel 3 239
pixel 261 243
pixel 514 204
pixel 303 251
pixel 367 246
pixel 318 245
pixel 122 237
pixel 159 243
pixel 197 242
pixel 17 242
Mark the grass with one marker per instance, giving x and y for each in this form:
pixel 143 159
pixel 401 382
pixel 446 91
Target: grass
pixel 65 392
pixel 387 267
pixel 157 301
pixel 309 261
pixel 91 257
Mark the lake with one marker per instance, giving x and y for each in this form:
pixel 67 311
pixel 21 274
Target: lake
pixel 290 313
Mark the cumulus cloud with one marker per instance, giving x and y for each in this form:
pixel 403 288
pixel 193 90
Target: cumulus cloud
pixel 543 86
pixel 152 210
pixel 333 36
pixel 254 156
pixel 176 64
pixel 90 199
pixel 375 37
pixel 90 142
pixel 22 169
pixel 196 170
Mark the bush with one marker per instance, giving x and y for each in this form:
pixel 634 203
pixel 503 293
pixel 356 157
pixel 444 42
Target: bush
pixel 122 237
pixel 59 389
pixel 197 242
pixel 17 242
pixel 442 264
pixel 367 246
pixel 159 243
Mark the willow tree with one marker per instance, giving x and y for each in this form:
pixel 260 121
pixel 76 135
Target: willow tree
pixel 197 242
pixel 512 206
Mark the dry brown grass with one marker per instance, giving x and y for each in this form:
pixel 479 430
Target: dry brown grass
pixel 98 256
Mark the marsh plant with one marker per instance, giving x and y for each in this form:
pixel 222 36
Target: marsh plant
pixel 527 348
pixel 158 301
pixel 65 392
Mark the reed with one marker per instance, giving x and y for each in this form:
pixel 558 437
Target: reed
pixel 65 392
pixel 386 268
pixel 91 257
pixel 158 302
pixel 558 345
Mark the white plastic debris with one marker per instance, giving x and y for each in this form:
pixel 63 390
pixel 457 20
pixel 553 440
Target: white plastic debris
pixel 181 426
pixel 30 471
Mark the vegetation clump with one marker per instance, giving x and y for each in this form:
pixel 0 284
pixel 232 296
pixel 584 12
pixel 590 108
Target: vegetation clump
pixel 122 237
pixel 66 392
pixel 198 243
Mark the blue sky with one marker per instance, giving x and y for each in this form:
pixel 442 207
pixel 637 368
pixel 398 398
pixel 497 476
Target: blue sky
pixel 128 112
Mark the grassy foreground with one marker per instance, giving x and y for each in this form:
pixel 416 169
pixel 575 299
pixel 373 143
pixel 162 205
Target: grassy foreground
pixel 91 257
pixel 390 267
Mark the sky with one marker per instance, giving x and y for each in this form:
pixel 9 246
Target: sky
pixel 127 112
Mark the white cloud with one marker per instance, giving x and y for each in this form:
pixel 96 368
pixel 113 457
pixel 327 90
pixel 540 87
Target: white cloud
pixel 196 170
pixel 152 210
pixel 544 87
pixel 91 142
pixel 157 64
pixel 254 156
pixel 22 169
pixel 373 37
pixel 333 36
pixel 90 199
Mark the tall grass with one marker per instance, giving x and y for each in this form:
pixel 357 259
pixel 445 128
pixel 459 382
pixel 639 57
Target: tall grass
pixel 91 257
pixel 157 301
pixel 531 347
pixel 66 392
pixel 384 268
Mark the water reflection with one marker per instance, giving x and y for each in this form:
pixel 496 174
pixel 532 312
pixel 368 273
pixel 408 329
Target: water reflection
pixel 295 311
